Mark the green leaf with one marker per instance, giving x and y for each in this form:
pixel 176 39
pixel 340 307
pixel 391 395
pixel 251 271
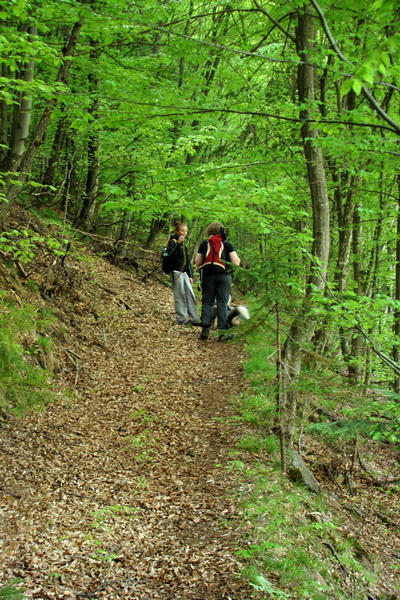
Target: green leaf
pixel 368 77
pixel 357 86
pixel 385 59
pixel 17 11
pixel 346 86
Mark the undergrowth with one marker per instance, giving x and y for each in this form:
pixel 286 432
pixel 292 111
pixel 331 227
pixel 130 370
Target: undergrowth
pixel 23 384
pixel 11 592
pixel 295 549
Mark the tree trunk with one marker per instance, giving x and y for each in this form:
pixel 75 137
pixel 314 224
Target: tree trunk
pixel 48 177
pixel 92 183
pixel 122 241
pixel 92 179
pixel 71 193
pixel 345 229
pixel 303 326
pixel 26 158
pixel 156 227
pixel 357 343
pixel 4 111
pixel 21 121
pixel 396 348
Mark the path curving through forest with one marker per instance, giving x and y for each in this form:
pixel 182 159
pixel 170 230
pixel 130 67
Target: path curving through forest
pixel 125 490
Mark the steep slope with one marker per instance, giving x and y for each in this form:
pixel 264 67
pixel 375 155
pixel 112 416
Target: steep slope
pixel 122 490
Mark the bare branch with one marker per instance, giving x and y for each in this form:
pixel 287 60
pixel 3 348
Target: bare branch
pixel 275 22
pixel 191 111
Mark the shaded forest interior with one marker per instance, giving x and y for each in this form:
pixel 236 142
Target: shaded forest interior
pixel 279 119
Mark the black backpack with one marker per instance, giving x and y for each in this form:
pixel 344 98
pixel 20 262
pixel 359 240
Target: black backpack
pixel 165 257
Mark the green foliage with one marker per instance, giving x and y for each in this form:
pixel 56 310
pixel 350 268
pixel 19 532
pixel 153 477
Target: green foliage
pixel 23 384
pixel 377 419
pixel 261 584
pixel 210 132
pixel 253 443
pixel 11 592
pixel 259 366
pixel 110 514
pixel 257 409
pixel 143 417
pixel 289 528
pixel 380 416
pixel 105 522
pixel 20 244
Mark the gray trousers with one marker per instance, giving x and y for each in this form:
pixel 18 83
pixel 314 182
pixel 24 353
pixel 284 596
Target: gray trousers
pixel 185 300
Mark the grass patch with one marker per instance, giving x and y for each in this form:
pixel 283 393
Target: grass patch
pixel 256 409
pixel 10 591
pixel 23 384
pixel 289 550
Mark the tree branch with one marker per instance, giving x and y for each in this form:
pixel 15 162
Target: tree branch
pixel 191 111
pixel 365 91
pixel 275 22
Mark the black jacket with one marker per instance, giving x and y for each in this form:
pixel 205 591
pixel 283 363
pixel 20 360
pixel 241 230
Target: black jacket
pixel 180 256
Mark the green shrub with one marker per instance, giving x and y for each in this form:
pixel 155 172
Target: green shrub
pixel 23 384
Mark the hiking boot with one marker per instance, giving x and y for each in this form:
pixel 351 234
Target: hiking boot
pixel 205 332
pixel 196 323
pixel 225 337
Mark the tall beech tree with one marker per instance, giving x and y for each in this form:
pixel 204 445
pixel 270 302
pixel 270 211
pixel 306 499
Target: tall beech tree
pixel 303 325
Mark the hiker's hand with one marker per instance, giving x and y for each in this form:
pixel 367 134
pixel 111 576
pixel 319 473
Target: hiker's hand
pixel 191 280
pixel 181 239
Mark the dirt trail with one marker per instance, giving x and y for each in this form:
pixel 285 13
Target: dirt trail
pixel 130 491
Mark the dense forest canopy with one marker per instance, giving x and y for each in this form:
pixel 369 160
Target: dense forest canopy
pixel 278 118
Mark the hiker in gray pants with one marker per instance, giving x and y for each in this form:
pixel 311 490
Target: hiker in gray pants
pixel 185 300
pixel 182 278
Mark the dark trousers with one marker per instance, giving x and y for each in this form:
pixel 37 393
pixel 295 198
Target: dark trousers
pixel 215 288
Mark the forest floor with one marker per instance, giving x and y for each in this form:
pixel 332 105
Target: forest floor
pixel 123 488
pixel 123 491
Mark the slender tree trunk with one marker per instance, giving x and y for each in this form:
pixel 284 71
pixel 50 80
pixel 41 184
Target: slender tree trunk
pixel 357 343
pixel 26 158
pixel 70 196
pixel 156 227
pixel 48 177
pixel 122 240
pixel 92 183
pixel 396 348
pixel 4 111
pixel 21 120
pixel 303 326
pixel 92 179
pixel 342 205
pixel 345 229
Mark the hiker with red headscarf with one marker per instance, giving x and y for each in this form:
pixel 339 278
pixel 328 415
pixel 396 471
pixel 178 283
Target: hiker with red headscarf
pixel 215 257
